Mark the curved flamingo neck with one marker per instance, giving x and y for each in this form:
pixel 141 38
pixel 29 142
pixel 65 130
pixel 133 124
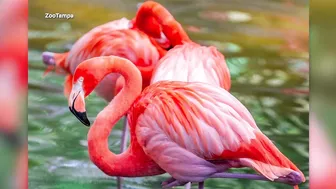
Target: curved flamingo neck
pixel 125 164
pixel 170 27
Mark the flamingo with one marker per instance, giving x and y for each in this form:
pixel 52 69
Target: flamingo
pixel 191 130
pixel 113 38
pixel 186 60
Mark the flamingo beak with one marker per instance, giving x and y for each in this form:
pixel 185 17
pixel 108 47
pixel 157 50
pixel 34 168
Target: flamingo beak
pixel 48 58
pixel 77 104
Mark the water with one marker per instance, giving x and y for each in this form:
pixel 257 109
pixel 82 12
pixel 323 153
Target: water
pixel 266 47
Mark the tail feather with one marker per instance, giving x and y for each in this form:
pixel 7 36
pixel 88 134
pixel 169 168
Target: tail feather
pixel 274 156
pixel 263 156
pixel 269 171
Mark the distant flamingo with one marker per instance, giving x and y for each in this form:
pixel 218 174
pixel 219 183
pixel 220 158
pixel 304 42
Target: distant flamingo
pixel 193 131
pixel 186 61
pixel 113 38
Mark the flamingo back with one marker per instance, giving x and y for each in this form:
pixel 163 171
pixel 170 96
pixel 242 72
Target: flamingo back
pixel 191 62
pixel 114 38
pixel 197 120
pixel 107 40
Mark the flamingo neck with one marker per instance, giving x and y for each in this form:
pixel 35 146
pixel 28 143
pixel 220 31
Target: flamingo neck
pixel 170 27
pixel 125 164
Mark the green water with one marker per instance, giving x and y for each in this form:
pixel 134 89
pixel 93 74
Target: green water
pixel 266 48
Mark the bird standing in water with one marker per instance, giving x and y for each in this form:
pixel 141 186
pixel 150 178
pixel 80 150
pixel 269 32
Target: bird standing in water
pixel 191 130
pixel 113 38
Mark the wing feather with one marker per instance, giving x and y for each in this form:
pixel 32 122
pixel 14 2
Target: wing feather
pixel 192 121
pixel 197 120
pixel 184 63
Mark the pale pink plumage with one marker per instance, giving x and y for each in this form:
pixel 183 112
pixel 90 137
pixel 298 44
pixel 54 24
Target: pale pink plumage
pixel 193 63
pixel 113 38
pixel 187 60
pixel 191 130
pixel 185 124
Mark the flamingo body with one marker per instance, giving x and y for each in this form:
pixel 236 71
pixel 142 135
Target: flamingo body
pixel 124 43
pixel 186 124
pixel 110 39
pixel 113 38
pixel 186 60
pixel 190 130
pixel 193 63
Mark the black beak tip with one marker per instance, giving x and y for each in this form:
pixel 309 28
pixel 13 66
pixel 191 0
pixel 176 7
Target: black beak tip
pixel 81 116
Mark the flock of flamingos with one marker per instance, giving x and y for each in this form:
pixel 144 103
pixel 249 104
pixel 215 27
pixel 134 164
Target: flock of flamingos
pixel 175 95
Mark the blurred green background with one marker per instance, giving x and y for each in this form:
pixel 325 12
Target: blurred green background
pixel 323 70
pixel 323 88
pixel 265 43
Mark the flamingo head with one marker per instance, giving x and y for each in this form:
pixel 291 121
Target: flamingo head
pixel 151 27
pixel 77 101
pixel 84 83
pixel 55 61
pixel 85 79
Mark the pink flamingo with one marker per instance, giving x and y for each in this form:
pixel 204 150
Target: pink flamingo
pixel 186 61
pixel 113 38
pixel 193 131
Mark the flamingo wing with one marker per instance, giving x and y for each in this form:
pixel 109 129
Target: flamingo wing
pixel 185 124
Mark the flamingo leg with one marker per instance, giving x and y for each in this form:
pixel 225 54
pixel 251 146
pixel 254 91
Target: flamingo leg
pixel 123 145
pixel 124 136
pixel 171 179
pixel 201 185
pixel 188 186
